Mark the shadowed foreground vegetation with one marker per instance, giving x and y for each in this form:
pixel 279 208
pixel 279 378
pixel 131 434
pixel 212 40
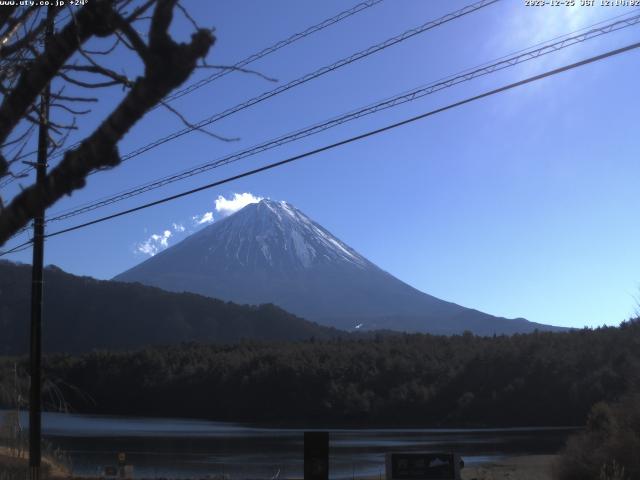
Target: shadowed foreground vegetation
pixel 608 447
pixel 533 379
pixel 14 465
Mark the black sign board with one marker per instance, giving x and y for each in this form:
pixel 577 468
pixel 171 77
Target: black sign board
pixel 316 455
pixel 110 471
pixel 423 466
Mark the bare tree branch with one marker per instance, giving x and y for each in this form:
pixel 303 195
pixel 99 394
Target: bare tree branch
pixel 93 19
pixel 138 12
pixel 104 52
pixel 80 83
pixel 6 13
pixel 167 66
pixel 134 41
pixel 57 144
pixel 69 109
pixel 14 24
pixel 18 139
pixel 188 124
pixel 97 69
pixel 188 16
pixel 27 39
pixel 73 99
pixel 238 69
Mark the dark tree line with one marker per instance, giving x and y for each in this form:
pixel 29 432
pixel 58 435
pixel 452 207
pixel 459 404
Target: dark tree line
pixel 464 380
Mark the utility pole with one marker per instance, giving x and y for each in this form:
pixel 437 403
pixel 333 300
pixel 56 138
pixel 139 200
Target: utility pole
pixel 35 363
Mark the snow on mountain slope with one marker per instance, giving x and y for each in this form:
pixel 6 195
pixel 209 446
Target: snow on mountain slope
pixel 283 235
pixel 270 252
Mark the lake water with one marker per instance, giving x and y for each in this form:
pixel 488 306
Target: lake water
pixel 180 448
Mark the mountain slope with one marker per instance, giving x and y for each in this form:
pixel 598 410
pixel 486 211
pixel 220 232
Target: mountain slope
pixel 271 252
pixel 82 313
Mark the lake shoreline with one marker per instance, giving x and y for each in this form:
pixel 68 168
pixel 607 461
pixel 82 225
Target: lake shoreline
pixel 365 424
pixel 523 467
pixel 175 448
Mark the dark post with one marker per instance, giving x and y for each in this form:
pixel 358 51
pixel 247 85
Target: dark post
pixel 35 391
pixel 316 455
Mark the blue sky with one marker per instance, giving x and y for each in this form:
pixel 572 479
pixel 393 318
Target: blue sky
pixel 520 205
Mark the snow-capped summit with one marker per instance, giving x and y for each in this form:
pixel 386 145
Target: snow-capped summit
pixel 283 236
pixel 271 252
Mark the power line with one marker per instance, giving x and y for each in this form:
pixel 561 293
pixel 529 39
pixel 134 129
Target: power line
pixel 587 29
pixel 270 166
pixel 370 133
pixel 17 248
pixel 294 83
pixel 313 75
pixel 505 62
pixel 308 77
pixel 275 47
pixel 238 65
pixel 345 61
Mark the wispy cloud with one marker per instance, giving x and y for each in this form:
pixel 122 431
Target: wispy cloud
pixel 203 219
pixel 155 243
pixel 224 206
pixel 227 206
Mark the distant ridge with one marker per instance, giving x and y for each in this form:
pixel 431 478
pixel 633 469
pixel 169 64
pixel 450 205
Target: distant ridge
pixel 83 314
pixel 271 252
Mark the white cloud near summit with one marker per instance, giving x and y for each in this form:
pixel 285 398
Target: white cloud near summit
pixel 226 206
pixel 203 219
pixel 155 243
pixel 159 241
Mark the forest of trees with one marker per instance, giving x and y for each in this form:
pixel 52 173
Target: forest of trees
pixel 417 380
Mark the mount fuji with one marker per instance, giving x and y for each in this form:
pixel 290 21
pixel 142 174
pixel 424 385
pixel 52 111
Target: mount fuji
pixel 271 252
